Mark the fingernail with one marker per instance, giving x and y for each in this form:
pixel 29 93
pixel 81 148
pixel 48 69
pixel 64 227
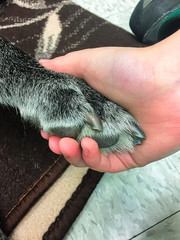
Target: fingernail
pixel 43 60
pixel 85 152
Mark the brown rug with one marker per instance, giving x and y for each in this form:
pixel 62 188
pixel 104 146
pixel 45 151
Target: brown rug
pixel 45 29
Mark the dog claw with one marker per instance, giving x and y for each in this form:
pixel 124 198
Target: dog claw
pixel 137 141
pixel 139 134
pixel 95 122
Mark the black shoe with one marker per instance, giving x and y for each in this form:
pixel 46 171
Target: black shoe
pixel 154 20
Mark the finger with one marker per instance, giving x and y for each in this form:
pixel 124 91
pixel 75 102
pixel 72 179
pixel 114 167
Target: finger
pixel 54 144
pixel 111 163
pixel 71 63
pixel 72 152
pixel 45 135
pixel 95 66
pixel 84 63
pixel 95 159
pixel 91 153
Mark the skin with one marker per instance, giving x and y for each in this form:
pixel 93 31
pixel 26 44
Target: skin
pixel 146 81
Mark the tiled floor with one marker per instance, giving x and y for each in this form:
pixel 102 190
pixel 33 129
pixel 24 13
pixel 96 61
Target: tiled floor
pixel 167 230
pixel 137 204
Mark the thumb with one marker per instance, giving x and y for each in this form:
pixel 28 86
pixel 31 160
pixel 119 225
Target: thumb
pixel 72 63
pixel 92 65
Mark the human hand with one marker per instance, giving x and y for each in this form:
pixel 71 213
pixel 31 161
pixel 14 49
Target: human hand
pixel 145 81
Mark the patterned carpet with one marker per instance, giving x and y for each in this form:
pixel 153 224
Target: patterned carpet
pixel 137 204
pixel 117 12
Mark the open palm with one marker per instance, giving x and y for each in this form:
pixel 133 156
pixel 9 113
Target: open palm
pixel 146 82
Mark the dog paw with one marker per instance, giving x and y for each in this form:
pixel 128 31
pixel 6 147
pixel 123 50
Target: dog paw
pixel 67 107
pixel 63 105
pixel 120 131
